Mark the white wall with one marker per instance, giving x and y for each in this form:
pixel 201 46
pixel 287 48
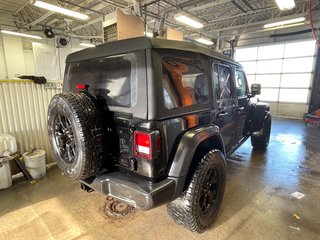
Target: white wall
pixel 14 56
pixel 23 56
pixel 46 61
pixel 28 58
pixel 50 60
pixel 3 67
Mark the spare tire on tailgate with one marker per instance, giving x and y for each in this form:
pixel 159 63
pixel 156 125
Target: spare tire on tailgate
pixel 75 134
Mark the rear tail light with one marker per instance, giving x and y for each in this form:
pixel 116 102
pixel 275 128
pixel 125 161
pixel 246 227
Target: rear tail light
pixel 82 86
pixel 146 144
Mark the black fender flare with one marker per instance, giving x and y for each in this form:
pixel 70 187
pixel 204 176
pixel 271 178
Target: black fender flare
pixel 184 155
pixel 259 111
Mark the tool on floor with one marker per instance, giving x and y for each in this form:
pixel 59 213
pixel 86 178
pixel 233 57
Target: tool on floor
pixel 17 158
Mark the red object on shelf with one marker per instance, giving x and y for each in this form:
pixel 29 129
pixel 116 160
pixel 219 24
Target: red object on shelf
pixel 312 118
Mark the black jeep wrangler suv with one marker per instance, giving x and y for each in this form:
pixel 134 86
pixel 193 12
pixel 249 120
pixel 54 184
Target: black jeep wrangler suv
pixel 151 121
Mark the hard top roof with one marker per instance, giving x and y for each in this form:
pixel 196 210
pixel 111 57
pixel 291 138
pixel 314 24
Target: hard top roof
pixel 139 43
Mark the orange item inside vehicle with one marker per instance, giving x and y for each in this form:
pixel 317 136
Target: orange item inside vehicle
pixel 317 113
pixel 185 93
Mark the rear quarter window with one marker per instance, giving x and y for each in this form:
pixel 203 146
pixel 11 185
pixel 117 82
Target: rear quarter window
pixel 184 81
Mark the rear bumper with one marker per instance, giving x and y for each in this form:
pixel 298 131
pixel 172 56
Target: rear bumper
pixel 138 193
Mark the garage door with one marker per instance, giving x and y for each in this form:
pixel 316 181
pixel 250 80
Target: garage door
pixel 284 71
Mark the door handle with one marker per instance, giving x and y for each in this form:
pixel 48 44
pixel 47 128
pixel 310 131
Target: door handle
pixel 222 114
pixel 239 109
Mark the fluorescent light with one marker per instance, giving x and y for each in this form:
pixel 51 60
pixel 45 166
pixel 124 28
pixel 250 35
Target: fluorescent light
pixel 188 21
pixel 285 4
pixel 283 26
pixel 87 45
pixel 204 41
pixel 61 10
pixel 286 22
pixel 21 34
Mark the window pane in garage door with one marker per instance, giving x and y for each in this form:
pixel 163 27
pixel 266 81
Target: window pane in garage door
pixel 269 66
pixel 294 95
pixel 270 52
pixel 249 67
pixel 284 70
pixel 269 94
pixel 299 49
pixel 271 80
pixel 251 79
pixel 245 54
pixel 296 65
pixel 296 80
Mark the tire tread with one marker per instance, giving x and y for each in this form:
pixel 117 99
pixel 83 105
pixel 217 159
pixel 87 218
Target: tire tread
pixel 183 210
pixel 89 126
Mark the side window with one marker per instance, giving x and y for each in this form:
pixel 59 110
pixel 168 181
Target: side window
pixel 184 82
pixel 240 83
pixel 222 81
pixel 216 80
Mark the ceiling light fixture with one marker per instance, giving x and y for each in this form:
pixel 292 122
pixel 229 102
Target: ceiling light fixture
pixel 283 26
pixel 87 44
pixel 188 21
pixel 61 10
pixel 285 22
pixel 21 34
pixel 204 41
pixel 285 4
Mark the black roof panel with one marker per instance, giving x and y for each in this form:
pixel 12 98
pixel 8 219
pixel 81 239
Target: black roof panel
pixel 140 43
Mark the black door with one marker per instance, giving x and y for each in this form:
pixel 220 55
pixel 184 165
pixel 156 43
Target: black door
pixel 226 113
pixel 242 103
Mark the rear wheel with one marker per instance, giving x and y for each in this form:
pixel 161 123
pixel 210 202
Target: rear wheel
pixel 260 139
pixel 197 207
pixel 75 134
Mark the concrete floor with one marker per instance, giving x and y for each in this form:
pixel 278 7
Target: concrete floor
pixel 257 202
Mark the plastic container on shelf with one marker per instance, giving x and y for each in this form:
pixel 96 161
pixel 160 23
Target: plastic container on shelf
pixel 7 143
pixel 35 162
pixel 5 174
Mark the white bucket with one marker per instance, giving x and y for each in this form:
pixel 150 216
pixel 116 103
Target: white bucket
pixel 5 175
pixel 35 163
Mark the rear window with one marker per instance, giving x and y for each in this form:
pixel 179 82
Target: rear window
pixel 184 81
pixel 112 78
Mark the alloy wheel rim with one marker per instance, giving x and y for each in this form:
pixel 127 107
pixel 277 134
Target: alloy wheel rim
pixel 64 138
pixel 210 190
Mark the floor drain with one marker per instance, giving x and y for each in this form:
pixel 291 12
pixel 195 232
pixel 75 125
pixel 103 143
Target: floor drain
pixel 117 209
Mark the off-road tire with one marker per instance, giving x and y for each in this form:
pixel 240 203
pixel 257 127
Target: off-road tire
pixel 186 210
pixel 74 123
pixel 260 139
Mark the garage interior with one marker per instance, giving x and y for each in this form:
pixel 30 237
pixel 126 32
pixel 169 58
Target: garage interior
pixel 270 194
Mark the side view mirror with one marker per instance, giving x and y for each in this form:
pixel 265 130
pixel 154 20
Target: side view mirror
pixel 256 89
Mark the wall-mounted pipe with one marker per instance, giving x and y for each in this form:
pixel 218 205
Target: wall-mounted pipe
pixel 161 25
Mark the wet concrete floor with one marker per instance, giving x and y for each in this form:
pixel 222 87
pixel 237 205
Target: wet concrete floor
pixel 257 203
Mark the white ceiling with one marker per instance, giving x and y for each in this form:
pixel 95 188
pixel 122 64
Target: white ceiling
pixel 222 18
